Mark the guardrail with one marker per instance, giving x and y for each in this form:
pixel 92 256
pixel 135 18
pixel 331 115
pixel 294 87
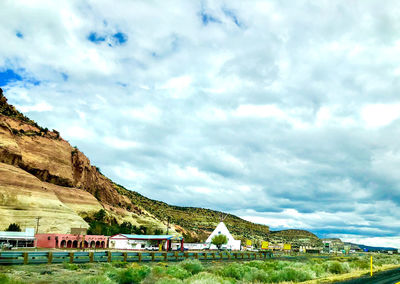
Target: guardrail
pixel 109 256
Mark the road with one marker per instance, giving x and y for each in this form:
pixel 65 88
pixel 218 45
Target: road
pixel 385 277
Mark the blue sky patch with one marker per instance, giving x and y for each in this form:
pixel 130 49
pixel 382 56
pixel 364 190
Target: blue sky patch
pixel 8 76
pixel 208 18
pixel 94 37
pixel 120 38
pixel 64 76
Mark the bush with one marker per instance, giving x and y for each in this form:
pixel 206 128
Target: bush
pixel 193 266
pixel 176 271
pixel 13 227
pixel 206 278
pixel 4 279
pixel 256 275
pixel 336 267
pixel 70 266
pixel 119 264
pixel 234 270
pixel 291 274
pixel 98 279
pixel 130 275
pixel 168 281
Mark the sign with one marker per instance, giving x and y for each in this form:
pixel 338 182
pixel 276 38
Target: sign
pixel 287 246
pixel 248 243
pixel 264 245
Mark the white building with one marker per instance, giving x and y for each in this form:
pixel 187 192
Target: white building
pixel 141 242
pixel 18 239
pixel 221 229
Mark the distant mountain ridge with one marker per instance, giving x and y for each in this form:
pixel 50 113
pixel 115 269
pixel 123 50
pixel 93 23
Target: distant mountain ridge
pixel 371 248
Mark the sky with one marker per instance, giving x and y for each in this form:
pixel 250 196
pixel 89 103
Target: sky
pixel 284 113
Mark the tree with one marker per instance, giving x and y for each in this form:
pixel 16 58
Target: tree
pixel 219 240
pixel 100 215
pixel 13 227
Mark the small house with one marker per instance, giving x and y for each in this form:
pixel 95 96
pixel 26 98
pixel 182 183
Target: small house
pixel 142 242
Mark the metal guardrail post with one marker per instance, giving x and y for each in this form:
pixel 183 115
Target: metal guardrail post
pixel 109 256
pixel 25 258
pixel 205 256
pixel 176 255
pixel 71 257
pixel 50 257
pixel 165 256
pixel 196 255
pixel 125 254
pixel 91 256
pixel 152 256
pixel 213 254
pixel 186 255
pixel 139 256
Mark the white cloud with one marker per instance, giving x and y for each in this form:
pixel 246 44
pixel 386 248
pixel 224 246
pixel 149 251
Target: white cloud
pixel 379 115
pixel 39 107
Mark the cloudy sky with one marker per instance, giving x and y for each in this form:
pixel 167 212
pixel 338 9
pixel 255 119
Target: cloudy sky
pixel 283 113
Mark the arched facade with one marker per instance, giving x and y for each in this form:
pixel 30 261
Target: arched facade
pixel 70 241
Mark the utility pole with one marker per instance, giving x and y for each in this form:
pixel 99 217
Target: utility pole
pixel 168 224
pixel 37 224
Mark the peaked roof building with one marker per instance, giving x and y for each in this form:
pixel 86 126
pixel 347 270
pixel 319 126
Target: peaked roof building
pixel 221 229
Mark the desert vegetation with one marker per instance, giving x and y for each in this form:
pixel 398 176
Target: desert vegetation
pixel 193 271
pixel 100 223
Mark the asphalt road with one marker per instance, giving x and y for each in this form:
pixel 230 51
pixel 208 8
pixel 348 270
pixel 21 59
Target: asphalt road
pixel 385 277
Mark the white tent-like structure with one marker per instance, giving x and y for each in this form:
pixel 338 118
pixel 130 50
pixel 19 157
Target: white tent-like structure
pixel 221 229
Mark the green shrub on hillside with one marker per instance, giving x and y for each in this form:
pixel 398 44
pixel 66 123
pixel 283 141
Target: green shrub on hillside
pixel 97 279
pixel 130 275
pixel 176 271
pixel 70 266
pixel 4 279
pixel 193 266
pixel 335 267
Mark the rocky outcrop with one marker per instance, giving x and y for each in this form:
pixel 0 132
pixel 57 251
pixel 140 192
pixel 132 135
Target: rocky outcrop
pixel 23 198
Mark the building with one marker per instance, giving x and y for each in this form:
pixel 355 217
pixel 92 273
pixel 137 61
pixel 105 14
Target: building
pixel 221 229
pixel 142 242
pixel 196 246
pixel 333 245
pixel 71 241
pixel 18 239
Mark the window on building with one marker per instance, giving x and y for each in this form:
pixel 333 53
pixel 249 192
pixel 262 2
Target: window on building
pixel 49 238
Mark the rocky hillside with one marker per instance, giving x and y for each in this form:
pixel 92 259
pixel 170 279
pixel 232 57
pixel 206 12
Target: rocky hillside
pixel 295 237
pixel 42 175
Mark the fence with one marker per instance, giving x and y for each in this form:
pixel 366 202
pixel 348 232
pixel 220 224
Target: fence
pixel 109 256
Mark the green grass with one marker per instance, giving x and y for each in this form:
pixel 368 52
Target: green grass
pixel 191 271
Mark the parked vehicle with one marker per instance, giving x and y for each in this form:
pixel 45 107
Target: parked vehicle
pixel 152 248
pixel 6 246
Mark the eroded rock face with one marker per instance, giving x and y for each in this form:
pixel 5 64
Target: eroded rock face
pixel 10 152
pixel 88 177
pixel 41 175
pixel 23 198
pixel 53 160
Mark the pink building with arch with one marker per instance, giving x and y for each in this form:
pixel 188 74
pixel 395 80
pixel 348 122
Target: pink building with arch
pixel 71 241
